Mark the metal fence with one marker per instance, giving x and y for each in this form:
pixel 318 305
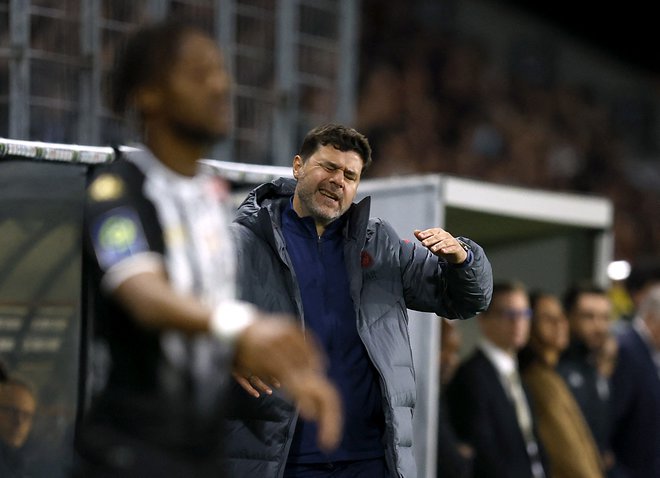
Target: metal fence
pixel 293 63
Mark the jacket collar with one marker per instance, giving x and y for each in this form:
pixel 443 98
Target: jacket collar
pixel 261 211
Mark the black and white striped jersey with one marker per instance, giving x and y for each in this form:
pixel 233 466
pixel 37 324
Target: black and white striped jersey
pixel 141 216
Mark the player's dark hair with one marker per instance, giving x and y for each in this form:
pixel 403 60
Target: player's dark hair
pixel 145 57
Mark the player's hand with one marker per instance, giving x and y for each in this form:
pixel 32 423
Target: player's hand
pixel 255 385
pixel 442 244
pixel 318 400
pixel 276 347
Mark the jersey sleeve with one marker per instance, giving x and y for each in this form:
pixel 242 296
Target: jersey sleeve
pixel 122 233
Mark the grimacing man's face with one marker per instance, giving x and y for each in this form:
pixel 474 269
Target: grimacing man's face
pixel 327 183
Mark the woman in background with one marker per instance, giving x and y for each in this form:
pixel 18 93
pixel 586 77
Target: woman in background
pixel 569 445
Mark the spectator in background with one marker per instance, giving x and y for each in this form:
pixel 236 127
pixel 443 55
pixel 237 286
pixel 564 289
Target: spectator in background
pixel 564 433
pixel 454 457
pixel 18 404
pixel 587 363
pixel 488 406
pixel 644 276
pixel 162 278
pixel 636 392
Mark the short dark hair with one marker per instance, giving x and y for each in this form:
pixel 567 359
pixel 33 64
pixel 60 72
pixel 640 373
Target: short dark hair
pixel 535 296
pixel 146 57
pixel 507 287
pixel 642 274
pixel 338 136
pixel 575 291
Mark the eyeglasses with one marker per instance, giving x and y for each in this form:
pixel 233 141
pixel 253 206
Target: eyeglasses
pixel 513 314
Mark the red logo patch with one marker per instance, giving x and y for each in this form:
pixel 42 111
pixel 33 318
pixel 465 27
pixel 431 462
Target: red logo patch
pixel 366 260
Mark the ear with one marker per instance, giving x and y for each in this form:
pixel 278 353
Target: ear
pixel 297 166
pixel 148 100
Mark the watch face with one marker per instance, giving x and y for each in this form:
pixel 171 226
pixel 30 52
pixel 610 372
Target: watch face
pixel 464 245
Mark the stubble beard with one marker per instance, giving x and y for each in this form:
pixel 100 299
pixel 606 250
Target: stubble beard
pixel 319 213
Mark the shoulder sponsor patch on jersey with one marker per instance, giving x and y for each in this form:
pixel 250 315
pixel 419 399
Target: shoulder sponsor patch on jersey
pixel 106 187
pixel 117 235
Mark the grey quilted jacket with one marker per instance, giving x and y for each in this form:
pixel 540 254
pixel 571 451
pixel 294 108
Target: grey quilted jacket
pixel 387 276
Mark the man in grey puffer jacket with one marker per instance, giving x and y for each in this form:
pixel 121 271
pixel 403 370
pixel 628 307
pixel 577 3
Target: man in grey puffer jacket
pixel 306 249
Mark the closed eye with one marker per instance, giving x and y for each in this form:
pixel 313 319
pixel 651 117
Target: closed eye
pixel 348 174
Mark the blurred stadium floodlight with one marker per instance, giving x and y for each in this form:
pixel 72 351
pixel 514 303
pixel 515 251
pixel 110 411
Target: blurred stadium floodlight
pixel 618 270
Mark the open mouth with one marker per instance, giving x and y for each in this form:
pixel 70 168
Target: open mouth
pixel 329 195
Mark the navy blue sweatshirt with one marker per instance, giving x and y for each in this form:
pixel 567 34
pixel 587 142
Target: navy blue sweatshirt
pixel 328 311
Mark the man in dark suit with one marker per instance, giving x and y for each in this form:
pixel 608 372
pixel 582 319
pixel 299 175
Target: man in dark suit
pixel 636 392
pixel 587 364
pixel 488 407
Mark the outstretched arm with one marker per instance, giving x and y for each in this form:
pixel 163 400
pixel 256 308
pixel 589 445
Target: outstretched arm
pixel 264 344
pixel 450 276
pixel 442 244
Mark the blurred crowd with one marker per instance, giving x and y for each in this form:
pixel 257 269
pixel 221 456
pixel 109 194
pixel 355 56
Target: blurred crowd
pixel 431 101
pixel 573 379
pixel 573 389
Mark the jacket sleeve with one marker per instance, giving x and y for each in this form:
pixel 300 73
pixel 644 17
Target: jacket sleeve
pixel 431 284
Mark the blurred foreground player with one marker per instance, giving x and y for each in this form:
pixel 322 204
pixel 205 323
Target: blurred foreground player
pixel 163 287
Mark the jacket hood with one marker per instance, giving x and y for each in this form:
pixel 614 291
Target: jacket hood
pixel 264 196
pixel 265 200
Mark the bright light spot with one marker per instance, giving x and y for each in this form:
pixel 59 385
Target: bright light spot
pixel 618 270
